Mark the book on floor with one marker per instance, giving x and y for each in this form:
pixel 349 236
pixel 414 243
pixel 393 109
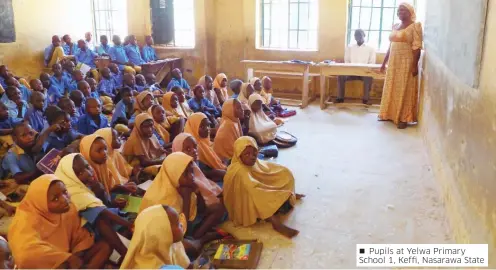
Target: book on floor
pixel 48 164
pixel 238 254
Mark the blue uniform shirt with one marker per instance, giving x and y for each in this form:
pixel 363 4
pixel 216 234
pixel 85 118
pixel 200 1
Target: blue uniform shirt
pixel 59 85
pixel 3 83
pixel 140 88
pixel 17 161
pixel 87 57
pixel 149 54
pixel 67 76
pixel 103 49
pixel 87 126
pixel 118 78
pixel 36 119
pixel 181 83
pixel 12 108
pixel 67 48
pixel 118 53
pixel 107 86
pixel 195 106
pixel 59 143
pixel 25 93
pixel 133 53
pixel 120 111
pixel 8 123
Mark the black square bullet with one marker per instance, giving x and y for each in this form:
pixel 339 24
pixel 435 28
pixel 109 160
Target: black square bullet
pixel 362 251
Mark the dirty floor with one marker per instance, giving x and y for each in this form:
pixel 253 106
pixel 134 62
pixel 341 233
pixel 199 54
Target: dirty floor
pixel 366 183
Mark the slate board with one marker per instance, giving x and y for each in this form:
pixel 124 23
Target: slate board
pixel 7 29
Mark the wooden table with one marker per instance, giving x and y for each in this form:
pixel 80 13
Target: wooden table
pixel 162 69
pixel 341 69
pixel 283 69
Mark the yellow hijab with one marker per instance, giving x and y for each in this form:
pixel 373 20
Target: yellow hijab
pixel 164 187
pixel 183 109
pixel 261 126
pixel 106 173
pixel 265 96
pixel 116 158
pixel 209 94
pixel 205 152
pixel 151 246
pixel 161 128
pixel 81 196
pixel 223 90
pixel 138 105
pixel 256 192
pixel 229 131
pixel 137 145
pixel 208 189
pixel 41 239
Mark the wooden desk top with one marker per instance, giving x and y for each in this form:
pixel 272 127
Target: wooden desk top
pixel 348 65
pixel 162 61
pixel 276 62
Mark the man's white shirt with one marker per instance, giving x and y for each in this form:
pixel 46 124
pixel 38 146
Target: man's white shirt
pixel 360 54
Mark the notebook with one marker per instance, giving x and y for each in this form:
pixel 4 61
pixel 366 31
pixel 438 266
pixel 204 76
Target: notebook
pixel 48 164
pixel 238 254
pixel 133 203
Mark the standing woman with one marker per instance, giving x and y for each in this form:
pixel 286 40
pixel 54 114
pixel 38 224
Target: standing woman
pixel 400 95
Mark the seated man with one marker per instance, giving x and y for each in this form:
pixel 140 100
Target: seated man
pixel 133 52
pixel 86 56
pixel 177 80
pixel 54 53
pixel 93 120
pixel 359 53
pixel 118 55
pixel 104 47
pixel 69 47
pixel 148 51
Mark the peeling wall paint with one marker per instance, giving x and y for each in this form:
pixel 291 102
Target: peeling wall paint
pixel 459 127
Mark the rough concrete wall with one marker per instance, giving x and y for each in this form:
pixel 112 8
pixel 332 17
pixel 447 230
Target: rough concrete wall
pixel 35 23
pixel 459 125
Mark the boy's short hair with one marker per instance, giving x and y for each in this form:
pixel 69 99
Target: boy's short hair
pixel 52 118
pixel 125 89
pixel 176 88
pixel 18 126
pixel 63 102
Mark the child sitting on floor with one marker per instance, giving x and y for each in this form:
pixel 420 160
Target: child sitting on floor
pixel 200 104
pixel 92 201
pixel 207 83
pixel 77 76
pixel 77 97
pixel 46 231
pixel 130 81
pixel 152 84
pixel 116 74
pixel 183 107
pixel 13 100
pixel 58 81
pixel 140 83
pixel 67 105
pixel 258 190
pixel 37 86
pixel 35 114
pixel 209 162
pixel 124 109
pixel 52 93
pixel 65 135
pixel 21 159
pixel 166 128
pixel 107 86
pixel 25 92
pixel 93 119
pixel 93 85
pixel 7 124
pixel 68 69
pixel 143 147
pixel 261 127
pixel 229 130
pixel 235 86
pixel 7 261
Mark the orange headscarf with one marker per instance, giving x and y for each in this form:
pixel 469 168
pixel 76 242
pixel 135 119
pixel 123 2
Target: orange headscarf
pixel 161 128
pixel 41 239
pixel 115 157
pixel 137 145
pixel 206 153
pixel 106 173
pixel 229 131
pixel 223 90
pixel 166 103
pixel 138 105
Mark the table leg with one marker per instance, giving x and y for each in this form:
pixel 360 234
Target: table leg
pixel 304 99
pixel 322 91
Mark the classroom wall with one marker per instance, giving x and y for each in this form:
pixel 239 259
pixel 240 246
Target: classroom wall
pixel 35 23
pixel 459 126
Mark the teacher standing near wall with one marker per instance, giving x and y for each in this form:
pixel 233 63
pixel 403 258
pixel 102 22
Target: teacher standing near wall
pixel 400 95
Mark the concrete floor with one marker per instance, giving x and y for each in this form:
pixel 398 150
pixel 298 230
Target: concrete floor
pixel 366 183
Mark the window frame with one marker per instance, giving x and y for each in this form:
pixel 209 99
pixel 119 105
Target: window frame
pixel 99 31
pixel 172 44
pixel 349 30
pixel 260 26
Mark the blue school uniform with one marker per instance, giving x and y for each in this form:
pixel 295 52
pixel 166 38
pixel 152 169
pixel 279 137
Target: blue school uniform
pixel 154 87
pixel 149 54
pixel 103 49
pixel 12 108
pixel 87 57
pixel 107 86
pixel 59 85
pixel 59 143
pixel 80 110
pixel 87 126
pixel 36 119
pixel 67 49
pixel 181 83
pixel 18 161
pixel 133 53
pixel 3 83
pixel 46 53
pixel 118 53
pixel 53 95
pixel 8 123
pixel 235 96
pixel 195 106
pixel 94 94
pixel 72 85
pixel 140 88
pixel 67 76
pixel 74 121
pixel 25 93
pixel 120 111
pixel 117 79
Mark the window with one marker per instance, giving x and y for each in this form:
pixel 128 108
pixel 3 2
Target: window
pixel 184 24
pixel 109 18
pixel 288 24
pixel 376 18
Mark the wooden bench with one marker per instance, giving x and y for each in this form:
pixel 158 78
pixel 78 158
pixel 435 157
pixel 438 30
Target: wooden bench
pixel 288 70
